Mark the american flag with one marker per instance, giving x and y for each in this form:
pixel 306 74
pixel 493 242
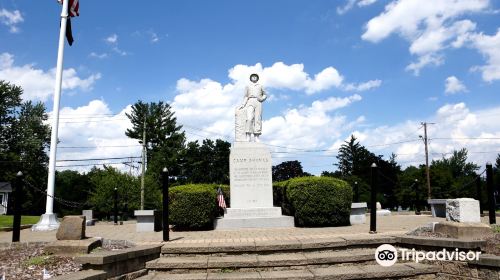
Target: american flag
pixel 73 7
pixel 73 11
pixel 220 199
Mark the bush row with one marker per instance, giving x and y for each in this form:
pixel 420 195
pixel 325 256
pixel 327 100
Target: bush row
pixel 313 201
pixel 194 206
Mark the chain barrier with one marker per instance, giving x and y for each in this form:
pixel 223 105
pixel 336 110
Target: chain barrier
pixel 68 203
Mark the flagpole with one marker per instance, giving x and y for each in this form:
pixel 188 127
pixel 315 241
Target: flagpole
pixel 48 221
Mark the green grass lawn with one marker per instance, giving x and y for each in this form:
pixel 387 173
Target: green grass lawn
pixel 6 221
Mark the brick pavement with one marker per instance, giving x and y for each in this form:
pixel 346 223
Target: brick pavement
pixel 386 225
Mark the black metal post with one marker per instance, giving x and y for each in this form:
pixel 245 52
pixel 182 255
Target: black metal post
pixel 479 194
pixel 115 210
pixel 356 192
pixel 491 194
pixel 373 202
pixel 18 194
pixel 417 198
pixel 166 228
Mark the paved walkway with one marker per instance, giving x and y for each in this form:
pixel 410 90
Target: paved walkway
pixel 386 225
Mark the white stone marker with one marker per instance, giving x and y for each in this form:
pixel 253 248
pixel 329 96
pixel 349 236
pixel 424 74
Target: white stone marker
pixel 463 210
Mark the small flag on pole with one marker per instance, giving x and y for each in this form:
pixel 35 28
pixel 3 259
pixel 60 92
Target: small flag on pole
pixel 73 11
pixel 220 199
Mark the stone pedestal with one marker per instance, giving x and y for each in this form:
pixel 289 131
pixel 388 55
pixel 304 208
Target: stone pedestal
pixel 148 220
pixel 89 217
pixel 438 207
pixel 250 170
pixel 463 210
pixel 467 231
pixel 358 213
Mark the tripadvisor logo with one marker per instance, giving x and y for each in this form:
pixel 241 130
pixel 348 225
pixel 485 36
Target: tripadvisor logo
pixel 387 255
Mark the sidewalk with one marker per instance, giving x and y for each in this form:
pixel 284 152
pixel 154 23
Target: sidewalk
pixel 386 225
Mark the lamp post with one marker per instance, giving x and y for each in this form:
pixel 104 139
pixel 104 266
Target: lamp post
pixel 373 202
pixel 115 218
pixel 356 191
pixel 417 198
pixel 166 228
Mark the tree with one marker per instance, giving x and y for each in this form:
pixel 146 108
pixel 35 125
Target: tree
pixel 104 181
pixel 72 186
pixel 208 163
pixel 287 170
pixel 453 176
pixel 24 139
pixel 164 138
pixel 408 190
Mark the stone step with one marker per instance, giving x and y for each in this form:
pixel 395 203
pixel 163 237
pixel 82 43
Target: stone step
pixel 261 261
pixel 396 271
pixel 270 246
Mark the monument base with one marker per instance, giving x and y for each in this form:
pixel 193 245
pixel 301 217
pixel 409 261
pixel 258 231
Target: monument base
pixel 262 217
pixel 47 222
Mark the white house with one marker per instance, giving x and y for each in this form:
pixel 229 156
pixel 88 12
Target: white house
pixel 5 190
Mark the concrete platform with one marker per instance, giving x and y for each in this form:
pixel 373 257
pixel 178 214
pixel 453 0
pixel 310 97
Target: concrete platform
pixel 254 222
pixel 466 231
pixel 73 247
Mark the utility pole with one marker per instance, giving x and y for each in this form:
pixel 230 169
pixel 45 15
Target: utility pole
pixel 424 124
pixel 143 162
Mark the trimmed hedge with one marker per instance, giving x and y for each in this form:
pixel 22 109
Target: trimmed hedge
pixel 194 206
pixel 280 199
pixel 317 201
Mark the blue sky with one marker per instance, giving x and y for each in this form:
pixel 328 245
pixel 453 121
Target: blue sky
pixel 382 67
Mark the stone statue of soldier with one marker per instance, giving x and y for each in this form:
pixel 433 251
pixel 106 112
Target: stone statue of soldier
pixel 252 109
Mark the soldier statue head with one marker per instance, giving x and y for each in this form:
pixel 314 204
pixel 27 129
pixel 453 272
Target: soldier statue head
pixel 254 78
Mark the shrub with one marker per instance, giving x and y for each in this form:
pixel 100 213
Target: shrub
pixel 194 206
pixel 319 201
pixel 280 199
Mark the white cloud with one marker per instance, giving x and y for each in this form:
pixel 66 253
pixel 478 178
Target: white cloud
pixel 154 37
pixel 363 86
pixel 293 77
pixel 350 4
pixel 429 28
pixel 489 46
pixel 454 85
pixel 363 3
pixel 98 55
pixel 455 127
pixel 424 60
pixel 39 84
pixel 112 39
pixel 11 19
pixel 99 133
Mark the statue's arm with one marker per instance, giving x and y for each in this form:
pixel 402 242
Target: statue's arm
pixel 263 95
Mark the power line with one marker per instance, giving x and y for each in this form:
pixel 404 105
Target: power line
pixel 92 147
pixel 91 159
pixel 465 138
pixel 94 164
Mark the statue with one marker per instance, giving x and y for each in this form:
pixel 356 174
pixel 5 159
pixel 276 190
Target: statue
pixel 249 114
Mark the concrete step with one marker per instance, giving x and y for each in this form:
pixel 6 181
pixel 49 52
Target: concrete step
pixel 269 246
pixel 397 271
pixel 261 261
